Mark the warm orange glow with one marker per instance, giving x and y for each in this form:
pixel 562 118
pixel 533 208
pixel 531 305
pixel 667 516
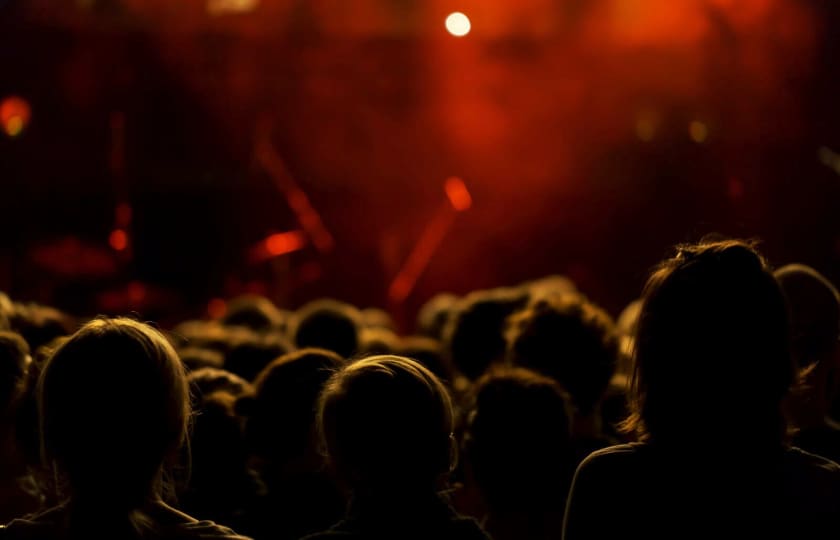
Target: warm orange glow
pixel 216 308
pixel 458 194
pixel 647 123
pixel 421 255
pixel 118 239
pixel 282 243
pixel 458 24
pixel 698 131
pixel 14 115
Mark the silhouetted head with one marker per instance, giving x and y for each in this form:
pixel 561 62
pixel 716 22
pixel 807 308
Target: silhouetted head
pixel 814 307
pixel 195 358
pixel 377 340
pixel 14 361
pixel 430 353
pixel 377 318
pixel 570 340
pixel 206 381
pixel 40 324
pixel 281 412
pixel 712 360
pixel 248 357
pixel 386 425
pixel 251 311
pixel 434 315
pixel 517 441
pixel 328 324
pixel 476 333
pixel 113 402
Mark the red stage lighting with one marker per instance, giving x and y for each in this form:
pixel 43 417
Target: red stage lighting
pixel 14 115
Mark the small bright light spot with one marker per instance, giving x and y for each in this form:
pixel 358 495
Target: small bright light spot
pixel 118 239
pixel 698 131
pixel 458 24
pixel 216 308
pixel 14 126
pixel 458 194
pixel 14 115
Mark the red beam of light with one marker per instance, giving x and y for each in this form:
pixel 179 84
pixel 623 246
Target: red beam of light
pixel 458 194
pixel 459 200
pixel 421 255
pixel 278 244
pixel 306 214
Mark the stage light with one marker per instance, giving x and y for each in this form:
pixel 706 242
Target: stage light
pixel 698 131
pixel 458 194
pixel 118 240
pixel 282 243
pixel 458 24
pixel 14 115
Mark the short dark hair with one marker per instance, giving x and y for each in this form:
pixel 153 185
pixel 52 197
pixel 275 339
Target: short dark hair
pixel 518 441
pixel 570 340
pixel 328 324
pixel 387 420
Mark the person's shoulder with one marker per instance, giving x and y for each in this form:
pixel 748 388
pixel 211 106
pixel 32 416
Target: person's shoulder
pixel 611 456
pixel 34 526
pixel 208 530
pixel 798 457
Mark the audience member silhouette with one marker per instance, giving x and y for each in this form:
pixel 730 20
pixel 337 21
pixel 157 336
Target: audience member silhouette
pixel 475 334
pixel 328 324
pixel 113 406
pixel 254 312
pixel 575 343
pixel 434 315
pixel 280 432
pixel 712 367
pixel 17 496
pixel 814 307
pixel 220 486
pixel 519 453
pixel 386 424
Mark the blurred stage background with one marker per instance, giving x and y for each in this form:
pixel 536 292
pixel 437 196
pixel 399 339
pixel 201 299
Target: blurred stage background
pixel 156 155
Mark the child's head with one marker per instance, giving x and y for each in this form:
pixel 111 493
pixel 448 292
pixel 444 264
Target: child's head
pixel 113 403
pixel 387 422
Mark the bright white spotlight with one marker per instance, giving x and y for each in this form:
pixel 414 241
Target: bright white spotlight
pixel 458 24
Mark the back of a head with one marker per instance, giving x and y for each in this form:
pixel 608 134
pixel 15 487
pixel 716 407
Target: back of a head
pixel 328 324
pixel 434 315
pixel 281 413
pixel 249 356
pixel 14 359
pixel 386 424
pixel 712 359
pixel 814 307
pixel 570 340
pixel 113 403
pixel 255 312
pixel 518 441
pixel 475 335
